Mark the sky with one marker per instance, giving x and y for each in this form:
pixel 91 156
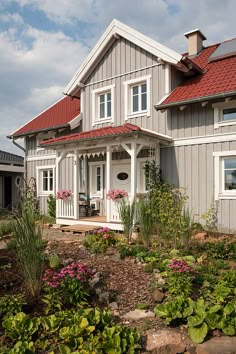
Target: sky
pixel 43 43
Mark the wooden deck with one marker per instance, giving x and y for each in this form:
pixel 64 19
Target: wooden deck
pixel 79 229
pixel 96 218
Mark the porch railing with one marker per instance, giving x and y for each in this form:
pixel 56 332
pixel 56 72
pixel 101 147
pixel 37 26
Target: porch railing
pixel 65 208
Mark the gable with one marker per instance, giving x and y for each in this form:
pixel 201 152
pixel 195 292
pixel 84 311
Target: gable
pixel 114 31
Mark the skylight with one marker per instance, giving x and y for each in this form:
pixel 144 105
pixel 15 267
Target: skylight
pixel 224 50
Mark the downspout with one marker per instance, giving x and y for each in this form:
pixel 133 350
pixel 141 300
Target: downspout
pixel 19 146
pixel 23 149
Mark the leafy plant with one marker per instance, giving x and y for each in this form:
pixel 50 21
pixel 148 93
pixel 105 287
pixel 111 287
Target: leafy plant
pixel 179 278
pixel 51 202
pixel 127 211
pixel 10 304
pixel 100 240
pixel 53 300
pixel 5 228
pixel 28 249
pixel 211 216
pixel 20 326
pixel 54 261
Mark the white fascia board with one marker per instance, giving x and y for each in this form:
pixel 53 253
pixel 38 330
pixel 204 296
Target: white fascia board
pixel 118 28
pixel 12 168
pixel 75 122
pixel 159 135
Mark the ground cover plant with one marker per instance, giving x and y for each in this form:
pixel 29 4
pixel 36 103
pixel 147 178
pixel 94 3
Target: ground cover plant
pixel 99 240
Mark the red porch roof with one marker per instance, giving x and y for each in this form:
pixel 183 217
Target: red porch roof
pixel 100 133
pixel 218 77
pixel 58 115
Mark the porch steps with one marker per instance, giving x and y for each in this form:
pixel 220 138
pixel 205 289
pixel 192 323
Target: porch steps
pixel 79 229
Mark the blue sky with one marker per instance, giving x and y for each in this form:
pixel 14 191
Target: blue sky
pixel 43 43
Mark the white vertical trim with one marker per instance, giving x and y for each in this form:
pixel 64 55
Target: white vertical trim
pixel 126 102
pixel 217 176
pixel 133 171
pixel 216 117
pixel 167 78
pixel 76 182
pixel 108 180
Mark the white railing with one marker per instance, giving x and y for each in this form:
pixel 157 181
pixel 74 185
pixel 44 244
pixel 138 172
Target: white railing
pixel 65 208
pixel 114 210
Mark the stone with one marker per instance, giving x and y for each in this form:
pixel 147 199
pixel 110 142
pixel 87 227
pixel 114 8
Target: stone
pixel 164 342
pixel 94 282
pixel 201 236
pixel 159 278
pixel 138 315
pixel 218 345
pixel 113 306
pixel 157 296
pixel 104 297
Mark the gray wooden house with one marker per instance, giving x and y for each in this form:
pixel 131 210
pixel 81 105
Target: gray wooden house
pixel 11 172
pixel 134 99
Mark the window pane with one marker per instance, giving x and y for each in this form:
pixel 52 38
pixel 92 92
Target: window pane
pixel 109 109
pixel 109 96
pixel 98 178
pixel 45 174
pixel 51 184
pixel 102 110
pixel 144 101
pixel 45 184
pixel 230 163
pixel 102 98
pixel 229 114
pixel 135 90
pixel 144 88
pixel 230 179
pixel 135 104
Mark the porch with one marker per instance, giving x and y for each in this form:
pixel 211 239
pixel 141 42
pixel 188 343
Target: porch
pixel 89 167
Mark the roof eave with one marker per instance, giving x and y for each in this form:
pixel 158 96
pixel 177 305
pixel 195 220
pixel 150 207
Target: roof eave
pixel 135 132
pixel 159 107
pixel 18 136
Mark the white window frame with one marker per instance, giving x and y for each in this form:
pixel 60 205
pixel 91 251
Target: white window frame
pixel 39 180
pixel 218 114
pixel 42 136
pixel 96 104
pixel 128 85
pixel 220 192
pixel 94 193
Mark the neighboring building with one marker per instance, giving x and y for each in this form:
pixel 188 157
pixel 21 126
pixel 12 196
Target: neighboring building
pixel 11 173
pixel 135 99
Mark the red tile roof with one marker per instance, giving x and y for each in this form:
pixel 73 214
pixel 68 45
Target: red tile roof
pixel 93 134
pixel 58 115
pixel 218 77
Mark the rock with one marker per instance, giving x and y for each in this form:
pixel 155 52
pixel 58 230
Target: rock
pixel 164 342
pixel 138 315
pixel 104 297
pixel 159 278
pixel 157 296
pixel 218 345
pixel 113 306
pixel 201 236
pixel 95 281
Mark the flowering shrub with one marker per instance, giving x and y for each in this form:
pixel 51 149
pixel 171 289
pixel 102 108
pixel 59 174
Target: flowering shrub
pixel 64 194
pixel 179 278
pixel 114 194
pixel 100 240
pixel 72 280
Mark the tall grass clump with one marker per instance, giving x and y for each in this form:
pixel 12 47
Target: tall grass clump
pixel 146 219
pixel 127 211
pixel 27 242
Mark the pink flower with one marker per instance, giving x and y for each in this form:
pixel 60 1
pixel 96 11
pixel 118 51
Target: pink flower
pixel 116 194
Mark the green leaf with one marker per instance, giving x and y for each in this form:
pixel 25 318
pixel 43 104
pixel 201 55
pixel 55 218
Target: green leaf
pixel 228 309
pixel 195 320
pixel 198 334
pixel 229 330
pixel 64 349
pixel 214 309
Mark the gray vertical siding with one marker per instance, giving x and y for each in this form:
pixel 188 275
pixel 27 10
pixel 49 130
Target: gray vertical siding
pixel 192 168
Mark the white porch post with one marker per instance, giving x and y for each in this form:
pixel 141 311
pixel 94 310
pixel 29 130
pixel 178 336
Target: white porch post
pixel 57 183
pixel 108 180
pixel 133 170
pixel 75 187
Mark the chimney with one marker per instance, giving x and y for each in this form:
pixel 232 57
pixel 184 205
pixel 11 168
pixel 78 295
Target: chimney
pixel 195 39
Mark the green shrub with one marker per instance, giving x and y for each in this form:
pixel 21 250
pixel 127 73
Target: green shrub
pixel 10 304
pixel 146 219
pixel 54 261
pixel 5 228
pixel 51 201
pixel 99 240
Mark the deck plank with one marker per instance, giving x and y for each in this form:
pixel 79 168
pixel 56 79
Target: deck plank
pixel 80 229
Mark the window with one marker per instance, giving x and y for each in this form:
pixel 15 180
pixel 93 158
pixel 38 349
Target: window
pixel 103 105
pixel 137 97
pixel 98 170
pixel 224 114
pixel 225 174
pixel 229 180
pixel 96 179
pixel 45 180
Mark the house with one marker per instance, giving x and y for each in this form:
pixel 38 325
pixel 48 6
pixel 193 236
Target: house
pixel 132 100
pixel 11 173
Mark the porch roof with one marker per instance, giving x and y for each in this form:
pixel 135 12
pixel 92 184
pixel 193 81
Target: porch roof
pixel 105 132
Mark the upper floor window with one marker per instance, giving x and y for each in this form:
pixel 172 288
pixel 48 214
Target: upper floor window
pixel 224 114
pixel 103 105
pixel 137 97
